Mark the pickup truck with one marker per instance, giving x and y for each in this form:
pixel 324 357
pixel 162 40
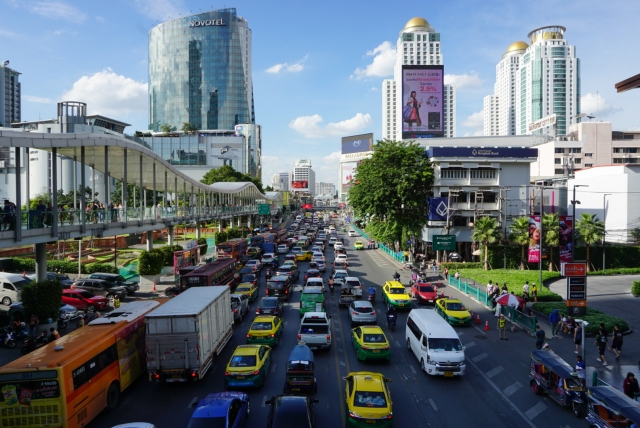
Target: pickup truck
pixel 315 330
pixel 348 294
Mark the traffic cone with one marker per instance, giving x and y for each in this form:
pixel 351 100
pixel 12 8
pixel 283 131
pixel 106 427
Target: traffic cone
pixel 478 319
pixel 154 286
pixel 486 326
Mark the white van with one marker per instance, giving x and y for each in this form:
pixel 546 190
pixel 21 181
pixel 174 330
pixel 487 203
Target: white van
pixel 10 286
pixel 435 343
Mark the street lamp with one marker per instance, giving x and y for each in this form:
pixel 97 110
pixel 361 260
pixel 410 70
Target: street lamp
pixel 574 202
pixel 604 232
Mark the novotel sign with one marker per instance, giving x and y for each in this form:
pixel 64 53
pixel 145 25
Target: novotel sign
pixel 207 23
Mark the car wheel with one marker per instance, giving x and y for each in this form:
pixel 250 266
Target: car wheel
pixel 6 301
pixel 422 367
pixel 90 308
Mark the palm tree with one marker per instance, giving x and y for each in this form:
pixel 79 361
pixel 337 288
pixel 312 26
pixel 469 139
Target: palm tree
pixel 591 230
pixel 551 234
pixel 520 235
pixel 487 231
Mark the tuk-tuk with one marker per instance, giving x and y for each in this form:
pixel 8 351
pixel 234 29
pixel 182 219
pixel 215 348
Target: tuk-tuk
pixel 551 374
pixel 609 408
pixel 300 376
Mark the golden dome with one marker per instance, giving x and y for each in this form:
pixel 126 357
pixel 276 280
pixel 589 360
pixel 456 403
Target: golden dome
pixel 517 46
pixel 417 22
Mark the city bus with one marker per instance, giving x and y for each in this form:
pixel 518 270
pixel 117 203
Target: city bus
pixel 67 383
pixel 232 249
pixel 218 272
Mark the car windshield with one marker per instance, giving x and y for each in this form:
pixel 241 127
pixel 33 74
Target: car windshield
pixel 268 303
pixel 370 399
pixel 456 306
pixel 341 275
pixel 86 294
pixel 445 345
pixel 248 278
pixel 286 268
pixel 426 288
pixel 397 291
pixel 243 288
pixel 374 338
pixel 252 262
pixel 261 325
pixel 208 422
pixel 243 361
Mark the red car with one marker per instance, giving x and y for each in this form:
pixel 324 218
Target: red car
pixel 83 299
pixel 424 292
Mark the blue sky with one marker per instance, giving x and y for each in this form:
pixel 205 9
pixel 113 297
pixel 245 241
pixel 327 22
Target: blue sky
pixel 318 66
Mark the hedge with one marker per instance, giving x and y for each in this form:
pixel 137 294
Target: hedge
pixel 635 288
pixel 152 262
pixel 43 299
pixel 27 264
pixel 594 317
pixel 204 246
pixel 453 266
pixel 514 279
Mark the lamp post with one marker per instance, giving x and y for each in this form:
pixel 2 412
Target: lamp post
pixel 574 202
pixel 604 232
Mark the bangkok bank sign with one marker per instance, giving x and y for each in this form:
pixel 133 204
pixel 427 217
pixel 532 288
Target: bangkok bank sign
pixel 207 23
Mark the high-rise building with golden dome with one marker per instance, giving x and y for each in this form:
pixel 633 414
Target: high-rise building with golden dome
pixel 535 81
pixel 418 44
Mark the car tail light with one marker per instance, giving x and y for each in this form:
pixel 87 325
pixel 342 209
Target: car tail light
pixel 194 374
pixel 257 312
pixel 299 337
pixel 156 375
pixel 257 372
pixel 235 311
pixel 248 335
pixel 354 313
pixel 386 348
pixel 373 313
pixel 272 335
pixel 328 337
pixel 389 416
pixel 227 373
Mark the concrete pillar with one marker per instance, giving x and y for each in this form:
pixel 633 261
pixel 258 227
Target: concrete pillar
pixel 154 210
pixel 17 222
pixel 149 240
pixel 41 262
pixel 54 195
pixel 249 221
pixel 142 194
pixel 170 237
pixel 198 234
pixel 125 196
pixel 83 194
pixel 107 195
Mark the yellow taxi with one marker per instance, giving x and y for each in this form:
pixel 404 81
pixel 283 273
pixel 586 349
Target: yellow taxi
pixel 453 311
pixel 304 256
pixel 368 400
pixel 290 262
pixel 358 245
pixel 265 330
pixel 248 366
pixel 395 294
pixel 249 290
pixel 370 343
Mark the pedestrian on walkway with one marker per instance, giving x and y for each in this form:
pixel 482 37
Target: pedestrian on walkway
pixel 34 322
pixel 540 336
pixel 489 287
pixel 534 292
pixel 525 291
pixel 601 342
pixel 554 318
pixel 630 386
pixel 434 266
pixel 616 341
pixel 580 367
pixel 577 337
pixel 502 327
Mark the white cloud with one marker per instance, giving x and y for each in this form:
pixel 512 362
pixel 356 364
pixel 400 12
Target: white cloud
pixel 58 10
pixel 108 93
pixel 8 34
pixel 38 100
pixel 596 105
pixel 475 120
pixel 463 80
pixel 63 32
pixel 374 89
pixel 294 67
pixel 309 126
pixel 162 10
pixel 333 158
pixel 384 59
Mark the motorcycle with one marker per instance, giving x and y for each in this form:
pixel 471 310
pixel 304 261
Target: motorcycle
pixel 63 321
pixel 268 274
pixel 31 344
pixel 396 276
pixel 391 321
pixel 6 336
pixel 331 285
pixel 372 297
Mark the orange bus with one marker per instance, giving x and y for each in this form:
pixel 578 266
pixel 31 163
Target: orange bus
pixel 232 249
pixel 68 382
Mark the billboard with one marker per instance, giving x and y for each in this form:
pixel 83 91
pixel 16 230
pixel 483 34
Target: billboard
pixel 422 101
pixel 542 123
pixel 534 239
pixel 564 231
pixel 300 184
pixel 482 152
pixel 348 172
pixel 357 143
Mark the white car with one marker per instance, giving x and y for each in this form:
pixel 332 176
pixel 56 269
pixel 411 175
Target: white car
pixel 318 256
pixel 315 281
pixel 322 266
pixel 339 276
pixel 352 233
pixel 283 249
pixel 255 264
pixel 268 259
pixel 332 241
pixel 341 258
pixel 338 245
pixel 355 283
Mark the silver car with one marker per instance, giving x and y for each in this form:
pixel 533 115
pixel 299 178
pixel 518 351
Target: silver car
pixel 362 312
pixel 239 306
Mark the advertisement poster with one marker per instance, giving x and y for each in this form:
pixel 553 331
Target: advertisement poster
pixel 300 184
pixel 534 239
pixel 348 171
pixel 422 101
pixel 131 353
pixel 565 229
pixel 357 144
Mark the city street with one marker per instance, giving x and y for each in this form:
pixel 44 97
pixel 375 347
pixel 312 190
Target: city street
pixel 495 391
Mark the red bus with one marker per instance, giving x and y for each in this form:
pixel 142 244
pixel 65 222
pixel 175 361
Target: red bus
pixel 232 249
pixel 218 272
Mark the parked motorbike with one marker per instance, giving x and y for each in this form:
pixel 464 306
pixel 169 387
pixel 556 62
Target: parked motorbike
pixel 63 321
pixel 31 344
pixel 6 336
pixel 391 321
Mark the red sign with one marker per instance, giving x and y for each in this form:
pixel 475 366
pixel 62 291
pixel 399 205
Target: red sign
pixel 576 303
pixel 574 269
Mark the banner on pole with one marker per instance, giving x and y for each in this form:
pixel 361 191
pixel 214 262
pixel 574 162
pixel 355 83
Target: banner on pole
pixel 565 244
pixel 534 239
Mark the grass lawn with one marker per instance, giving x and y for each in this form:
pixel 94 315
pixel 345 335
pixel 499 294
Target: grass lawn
pixel 594 317
pixel 514 278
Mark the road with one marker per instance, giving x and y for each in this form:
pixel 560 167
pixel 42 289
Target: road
pixel 494 393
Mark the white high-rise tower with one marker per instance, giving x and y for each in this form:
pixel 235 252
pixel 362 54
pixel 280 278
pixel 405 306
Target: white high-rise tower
pixel 418 44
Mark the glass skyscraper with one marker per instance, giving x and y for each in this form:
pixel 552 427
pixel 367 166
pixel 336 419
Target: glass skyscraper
pixel 200 72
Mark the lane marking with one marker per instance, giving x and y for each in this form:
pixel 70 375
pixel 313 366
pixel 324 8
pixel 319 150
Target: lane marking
pixel 264 401
pixel 286 322
pixel 497 370
pixel 535 410
pixel 342 363
pixel 511 389
pixel 273 368
pixel 397 344
pixel 340 349
pixel 192 403
pixel 480 357
pixel 413 370
pixel 470 345
pixel 433 404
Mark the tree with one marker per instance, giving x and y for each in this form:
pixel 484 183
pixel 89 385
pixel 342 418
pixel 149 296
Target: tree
pixel 268 189
pixel 226 174
pixel 590 230
pixel 520 235
pixel 167 129
pixel 188 128
pixel 392 186
pixel 116 195
pixel 551 234
pixel 486 230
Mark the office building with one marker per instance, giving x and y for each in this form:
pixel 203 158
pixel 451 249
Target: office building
pixel 534 82
pixel 9 95
pixel 200 72
pixel 303 178
pixel 326 189
pixel 280 182
pixel 418 44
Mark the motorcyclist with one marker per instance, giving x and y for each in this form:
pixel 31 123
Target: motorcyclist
pixel 54 334
pixel 42 338
pixel 268 273
pixel 396 276
pixel 372 293
pixel 331 284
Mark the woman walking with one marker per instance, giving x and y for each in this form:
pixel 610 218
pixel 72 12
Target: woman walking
pixel 616 341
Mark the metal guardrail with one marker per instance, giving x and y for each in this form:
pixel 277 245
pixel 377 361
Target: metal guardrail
pixel 396 256
pixel 596 381
pixel 471 290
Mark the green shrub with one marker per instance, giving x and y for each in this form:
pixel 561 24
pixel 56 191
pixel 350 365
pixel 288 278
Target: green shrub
pixel 453 266
pixel 150 263
pixel 100 267
pixel 204 246
pixel 65 266
pixel 24 263
pixel 594 317
pixel 616 271
pixel 220 236
pixel 233 232
pixel 635 288
pixel 514 279
pixel 43 299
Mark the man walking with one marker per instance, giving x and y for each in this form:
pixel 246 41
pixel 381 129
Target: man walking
pixel 540 336
pixel 525 291
pixel 616 341
pixel 577 337
pixel 554 318
pixel 502 327
pixel 601 342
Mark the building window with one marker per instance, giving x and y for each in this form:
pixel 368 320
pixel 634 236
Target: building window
pixel 559 150
pixel 557 161
pixel 588 155
pixel 453 173
pixel 483 173
pixel 575 150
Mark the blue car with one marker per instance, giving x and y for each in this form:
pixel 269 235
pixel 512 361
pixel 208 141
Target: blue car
pixel 221 410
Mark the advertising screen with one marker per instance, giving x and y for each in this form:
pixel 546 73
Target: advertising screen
pixel 357 144
pixel 300 184
pixel 422 101
pixel 348 171
pixel 534 239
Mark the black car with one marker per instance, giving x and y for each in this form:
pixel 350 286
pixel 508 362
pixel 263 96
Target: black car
pixel 247 271
pixel 100 287
pixel 291 411
pixel 280 285
pixel 270 306
pixel 116 279
pixel 60 277
pixel 252 278
pixel 312 273
pixel 291 271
